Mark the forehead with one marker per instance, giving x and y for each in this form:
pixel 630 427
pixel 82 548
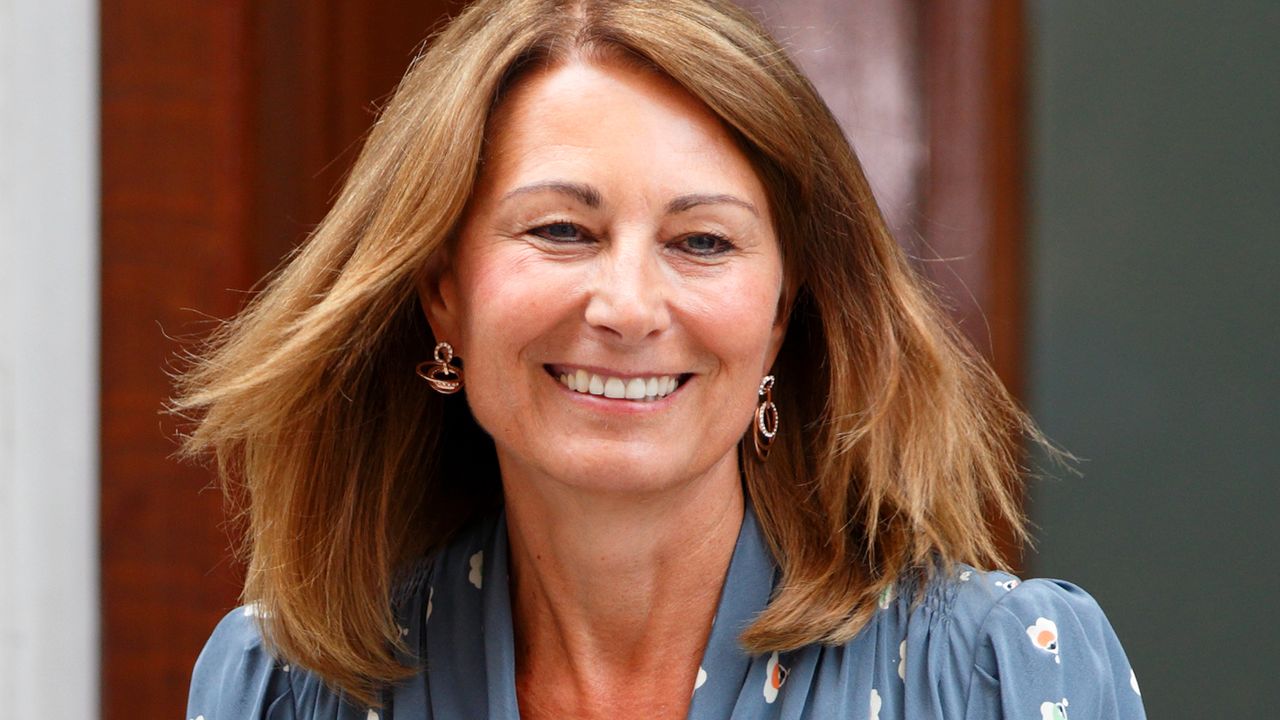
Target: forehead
pixel 583 117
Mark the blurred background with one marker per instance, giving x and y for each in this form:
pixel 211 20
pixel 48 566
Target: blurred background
pixel 1093 186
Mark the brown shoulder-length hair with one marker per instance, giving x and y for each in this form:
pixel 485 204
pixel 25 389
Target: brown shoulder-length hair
pixel 898 446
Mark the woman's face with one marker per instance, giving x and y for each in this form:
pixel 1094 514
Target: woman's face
pixel 614 288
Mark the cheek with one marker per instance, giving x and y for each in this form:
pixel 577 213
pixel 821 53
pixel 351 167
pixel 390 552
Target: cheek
pixel 507 299
pixel 508 306
pixel 735 319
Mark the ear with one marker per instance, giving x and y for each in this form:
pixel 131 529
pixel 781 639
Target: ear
pixel 438 294
pixel 781 320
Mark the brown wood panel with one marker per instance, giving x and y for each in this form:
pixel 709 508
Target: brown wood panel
pixel 174 149
pixel 225 128
pixel 328 67
pixel 973 195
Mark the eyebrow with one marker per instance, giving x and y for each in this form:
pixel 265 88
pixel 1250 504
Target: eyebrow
pixel 583 193
pixel 692 200
pixel 588 195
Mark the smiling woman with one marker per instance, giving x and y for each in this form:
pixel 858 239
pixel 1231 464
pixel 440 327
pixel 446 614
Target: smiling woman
pixel 710 433
pixel 626 264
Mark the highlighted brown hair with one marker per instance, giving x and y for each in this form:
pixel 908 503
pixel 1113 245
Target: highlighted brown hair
pixel 899 450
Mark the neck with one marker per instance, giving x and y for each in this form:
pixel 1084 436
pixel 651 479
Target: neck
pixel 610 588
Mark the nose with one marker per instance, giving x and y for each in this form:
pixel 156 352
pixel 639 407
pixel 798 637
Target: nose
pixel 629 293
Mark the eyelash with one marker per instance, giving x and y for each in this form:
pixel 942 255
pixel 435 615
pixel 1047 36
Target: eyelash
pixel 723 243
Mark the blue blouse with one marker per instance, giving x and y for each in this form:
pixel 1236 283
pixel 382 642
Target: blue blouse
pixel 979 646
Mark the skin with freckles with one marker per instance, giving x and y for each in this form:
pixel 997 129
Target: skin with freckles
pixel 617 229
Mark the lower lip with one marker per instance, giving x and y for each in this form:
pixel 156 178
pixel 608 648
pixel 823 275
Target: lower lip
pixel 619 405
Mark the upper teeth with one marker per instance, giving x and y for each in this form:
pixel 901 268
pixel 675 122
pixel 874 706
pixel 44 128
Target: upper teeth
pixel 639 388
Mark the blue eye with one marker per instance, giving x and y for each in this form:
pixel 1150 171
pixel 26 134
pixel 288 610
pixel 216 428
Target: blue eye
pixel 564 232
pixel 706 244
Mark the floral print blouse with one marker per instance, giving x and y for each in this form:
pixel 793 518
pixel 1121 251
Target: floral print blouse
pixel 979 646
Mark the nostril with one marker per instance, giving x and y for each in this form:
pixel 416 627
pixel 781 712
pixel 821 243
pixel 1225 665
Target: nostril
pixel 629 327
pixel 629 308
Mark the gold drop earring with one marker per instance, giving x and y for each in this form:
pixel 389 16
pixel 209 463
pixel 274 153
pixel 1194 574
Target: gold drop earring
pixel 442 372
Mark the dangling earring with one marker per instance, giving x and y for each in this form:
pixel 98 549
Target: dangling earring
pixel 442 374
pixel 766 425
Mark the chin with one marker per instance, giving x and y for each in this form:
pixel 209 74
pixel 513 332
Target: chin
pixel 622 473
pixel 623 468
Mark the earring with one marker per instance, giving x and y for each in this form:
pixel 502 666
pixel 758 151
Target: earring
pixel 766 425
pixel 444 376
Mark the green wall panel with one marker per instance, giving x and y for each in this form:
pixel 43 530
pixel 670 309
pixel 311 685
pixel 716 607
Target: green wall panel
pixel 1154 342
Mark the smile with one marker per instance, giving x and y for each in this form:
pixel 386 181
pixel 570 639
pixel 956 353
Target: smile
pixel 639 388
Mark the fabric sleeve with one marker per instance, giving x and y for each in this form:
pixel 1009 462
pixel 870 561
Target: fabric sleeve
pixel 1047 651
pixel 236 678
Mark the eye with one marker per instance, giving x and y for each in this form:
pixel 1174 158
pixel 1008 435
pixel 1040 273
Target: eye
pixel 560 231
pixel 705 244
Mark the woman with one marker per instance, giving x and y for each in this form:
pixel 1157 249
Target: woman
pixel 713 451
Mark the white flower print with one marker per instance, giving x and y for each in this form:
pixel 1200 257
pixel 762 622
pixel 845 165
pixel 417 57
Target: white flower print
pixel 902 660
pixel 964 576
pixel 875 704
pixel 1133 682
pixel 477 569
pixel 372 716
pixel 1008 585
pixel 886 597
pixel 701 679
pixel 1044 635
pixel 1054 711
pixel 774 676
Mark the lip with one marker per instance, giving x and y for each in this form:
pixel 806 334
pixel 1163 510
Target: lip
pixel 557 369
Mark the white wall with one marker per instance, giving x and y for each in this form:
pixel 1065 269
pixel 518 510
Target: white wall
pixel 49 604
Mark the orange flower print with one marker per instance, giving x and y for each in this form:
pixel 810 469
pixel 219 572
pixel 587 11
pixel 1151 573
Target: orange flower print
pixel 774 676
pixel 1044 635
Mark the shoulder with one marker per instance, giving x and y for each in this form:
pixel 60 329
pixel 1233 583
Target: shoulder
pixel 236 676
pixel 986 604
pixel 1038 644
pixel 1003 614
